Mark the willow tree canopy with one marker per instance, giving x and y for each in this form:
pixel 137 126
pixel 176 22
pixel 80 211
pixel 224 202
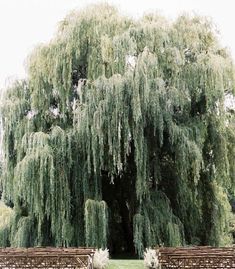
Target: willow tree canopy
pixel 120 136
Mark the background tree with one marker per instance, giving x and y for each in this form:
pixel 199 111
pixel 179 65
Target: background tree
pixel 121 130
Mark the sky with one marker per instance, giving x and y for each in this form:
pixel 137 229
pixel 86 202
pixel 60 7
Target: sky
pixel 27 23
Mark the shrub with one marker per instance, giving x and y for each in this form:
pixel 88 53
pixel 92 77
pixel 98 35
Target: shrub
pixel 101 258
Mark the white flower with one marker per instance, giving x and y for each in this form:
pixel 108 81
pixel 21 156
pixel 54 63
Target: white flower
pixel 151 260
pixel 101 258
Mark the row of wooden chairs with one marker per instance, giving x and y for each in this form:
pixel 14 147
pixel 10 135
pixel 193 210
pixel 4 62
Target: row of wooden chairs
pixel 46 258
pixel 196 257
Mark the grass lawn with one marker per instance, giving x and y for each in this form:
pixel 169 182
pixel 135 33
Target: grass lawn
pixel 126 264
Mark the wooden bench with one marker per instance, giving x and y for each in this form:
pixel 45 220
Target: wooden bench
pixel 46 258
pixel 196 257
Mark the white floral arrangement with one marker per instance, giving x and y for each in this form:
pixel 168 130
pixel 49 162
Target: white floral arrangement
pixel 101 258
pixel 151 260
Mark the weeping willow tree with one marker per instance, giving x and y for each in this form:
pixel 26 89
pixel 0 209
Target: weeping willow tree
pixel 120 137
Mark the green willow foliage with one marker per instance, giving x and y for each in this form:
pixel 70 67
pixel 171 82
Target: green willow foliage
pixel 6 214
pixel 96 215
pixel 130 112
